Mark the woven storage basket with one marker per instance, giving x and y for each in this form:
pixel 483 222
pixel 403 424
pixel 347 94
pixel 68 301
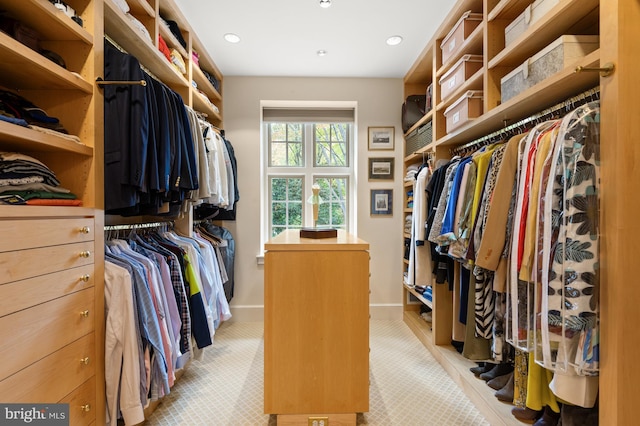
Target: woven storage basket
pixel 419 138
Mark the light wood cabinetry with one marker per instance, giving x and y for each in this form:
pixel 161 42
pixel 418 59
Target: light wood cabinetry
pixel 51 269
pixel 316 357
pixel 616 24
pixel 50 313
pixel 52 258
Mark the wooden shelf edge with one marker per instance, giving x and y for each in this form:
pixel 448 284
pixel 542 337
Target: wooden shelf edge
pixel 170 9
pixel 118 27
pixel 22 211
pixel 470 84
pixel 481 395
pixel 141 7
pixel 449 21
pixel 204 84
pixel 419 153
pixel 508 9
pixel 171 40
pixel 201 105
pixel 59 26
pixel 536 38
pixel 418 295
pixel 204 58
pixel 475 38
pixel 422 68
pixel 68 80
pixel 32 140
pixel 427 117
pixel 546 93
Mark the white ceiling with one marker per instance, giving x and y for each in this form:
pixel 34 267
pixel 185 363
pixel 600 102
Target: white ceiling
pixel 281 37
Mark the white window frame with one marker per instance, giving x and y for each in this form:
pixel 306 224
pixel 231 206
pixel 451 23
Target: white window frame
pixel 266 172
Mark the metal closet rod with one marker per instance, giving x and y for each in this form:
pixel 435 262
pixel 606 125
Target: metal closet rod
pixel 522 124
pixel 102 82
pixel 131 226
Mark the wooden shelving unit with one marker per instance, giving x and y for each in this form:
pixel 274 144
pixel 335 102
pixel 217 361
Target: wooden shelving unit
pixel 18 138
pixel 119 28
pixel 568 17
pixel 43 276
pixel 139 7
pixel 562 19
pixel 43 74
pixel 52 24
pixel 472 45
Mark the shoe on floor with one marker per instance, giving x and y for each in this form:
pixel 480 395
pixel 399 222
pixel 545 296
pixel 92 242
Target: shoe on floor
pixel 506 393
pixel 549 418
pixel 480 368
pixel 500 381
pixel 526 414
pixel 498 370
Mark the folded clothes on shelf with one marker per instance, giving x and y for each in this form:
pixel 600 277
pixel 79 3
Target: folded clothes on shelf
pixel 14 108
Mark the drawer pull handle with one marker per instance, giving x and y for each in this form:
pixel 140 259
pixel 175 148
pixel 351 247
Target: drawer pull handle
pixel 84 314
pixel 85 230
pixel 86 408
pixel 84 361
pixel 85 278
pixel 85 253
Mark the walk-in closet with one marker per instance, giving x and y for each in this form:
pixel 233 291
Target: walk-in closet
pixel 251 213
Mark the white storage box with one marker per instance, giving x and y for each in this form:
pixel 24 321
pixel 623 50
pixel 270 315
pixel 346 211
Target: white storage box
pixel 467 106
pixel 467 66
pixel 451 44
pixel 563 52
pixel 531 14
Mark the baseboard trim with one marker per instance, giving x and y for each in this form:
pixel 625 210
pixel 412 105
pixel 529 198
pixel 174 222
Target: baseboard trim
pixel 247 313
pixel 386 311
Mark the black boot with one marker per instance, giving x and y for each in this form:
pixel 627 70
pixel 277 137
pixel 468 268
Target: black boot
pixel 498 370
pixel 482 367
pixel 506 393
pixel 526 414
pixel 500 381
pixel 549 418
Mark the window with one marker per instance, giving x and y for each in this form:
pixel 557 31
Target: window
pixel 300 154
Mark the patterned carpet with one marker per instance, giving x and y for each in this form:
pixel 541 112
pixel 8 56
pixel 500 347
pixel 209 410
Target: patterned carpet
pixel 225 388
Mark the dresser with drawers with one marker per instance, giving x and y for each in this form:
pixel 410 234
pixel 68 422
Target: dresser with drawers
pixel 49 309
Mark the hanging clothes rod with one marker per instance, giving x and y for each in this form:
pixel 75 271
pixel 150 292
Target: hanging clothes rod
pixel 131 226
pixel 142 67
pixel 524 124
pixel 101 82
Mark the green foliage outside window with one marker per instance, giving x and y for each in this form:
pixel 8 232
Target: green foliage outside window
pixel 329 148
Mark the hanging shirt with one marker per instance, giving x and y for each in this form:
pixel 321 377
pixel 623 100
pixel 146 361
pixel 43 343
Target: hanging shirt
pixel 122 357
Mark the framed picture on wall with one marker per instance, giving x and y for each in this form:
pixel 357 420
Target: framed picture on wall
pixel 381 168
pixel 381 202
pixel 381 138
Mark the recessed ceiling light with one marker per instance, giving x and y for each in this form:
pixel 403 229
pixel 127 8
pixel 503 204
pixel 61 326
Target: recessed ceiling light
pixel 322 52
pixel 232 38
pixel 325 3
pixel 394 40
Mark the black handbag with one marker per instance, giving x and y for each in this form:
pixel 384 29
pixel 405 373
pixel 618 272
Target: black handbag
pixel 413 109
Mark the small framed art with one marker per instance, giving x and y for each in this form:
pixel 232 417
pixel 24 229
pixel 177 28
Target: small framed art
pixel 381 168
pixel 381 138
pixel 381 202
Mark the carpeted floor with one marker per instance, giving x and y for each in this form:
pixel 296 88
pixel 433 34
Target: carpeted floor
pixel 225 388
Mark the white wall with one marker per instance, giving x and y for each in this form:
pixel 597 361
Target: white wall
pixel 379 102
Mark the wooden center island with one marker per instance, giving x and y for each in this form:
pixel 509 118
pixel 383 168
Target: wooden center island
pixel 316 329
